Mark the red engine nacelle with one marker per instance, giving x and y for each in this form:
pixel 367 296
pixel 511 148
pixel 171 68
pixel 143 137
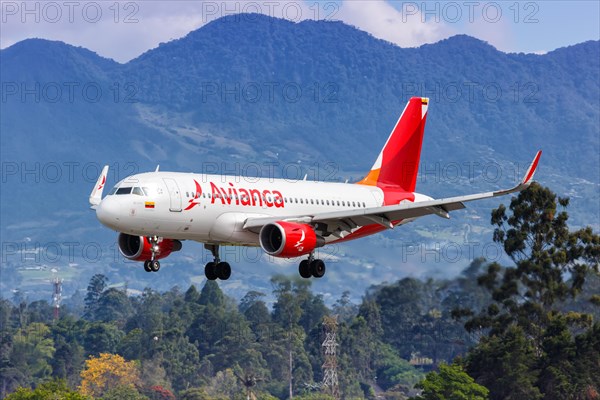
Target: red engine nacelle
pixel 138 248
pixel 288 239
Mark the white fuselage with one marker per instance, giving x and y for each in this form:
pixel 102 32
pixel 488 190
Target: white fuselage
pixel 213 208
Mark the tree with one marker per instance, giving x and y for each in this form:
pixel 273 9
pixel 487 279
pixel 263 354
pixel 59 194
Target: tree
pixel 506 365
pixel 100 337
pixel 123 392
pixel 551 263
pixel 32 351
pixel 211 294
pixel 255 310
pixel 344 308
pixel 532 344
pixel 192 295
pixel 113 306
pixel 94 290
pixel 450 383
pixel 52 390
pixel 105 372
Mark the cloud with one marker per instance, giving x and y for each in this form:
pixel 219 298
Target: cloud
pixel 121 31
pixel 404 27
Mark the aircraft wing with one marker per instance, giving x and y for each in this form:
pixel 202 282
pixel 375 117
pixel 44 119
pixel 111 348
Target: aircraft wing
pixel 387 215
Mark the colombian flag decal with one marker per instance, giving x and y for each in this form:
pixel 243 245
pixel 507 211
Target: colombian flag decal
pixel 149 204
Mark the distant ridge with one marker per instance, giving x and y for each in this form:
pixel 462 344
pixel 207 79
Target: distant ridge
pixel 320 97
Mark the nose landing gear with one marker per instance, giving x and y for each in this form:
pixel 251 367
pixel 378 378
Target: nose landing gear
pixel 152 265
pixel 216 269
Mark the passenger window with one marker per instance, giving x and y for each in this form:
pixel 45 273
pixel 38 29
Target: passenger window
pixel 327 202
pixel 353 204
pixel 364 205
pixel 123 190
pixel 338 202
pixel 138 191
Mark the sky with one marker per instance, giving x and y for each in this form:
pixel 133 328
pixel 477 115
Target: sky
pixel 122 30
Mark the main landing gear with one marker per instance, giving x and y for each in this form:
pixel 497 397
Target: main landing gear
pixel 217 268
pixel 152 265
pixel 312 267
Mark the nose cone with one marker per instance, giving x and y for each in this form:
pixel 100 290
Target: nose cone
pixel 108 212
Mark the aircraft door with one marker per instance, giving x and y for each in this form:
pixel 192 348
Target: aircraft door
pixel 174 194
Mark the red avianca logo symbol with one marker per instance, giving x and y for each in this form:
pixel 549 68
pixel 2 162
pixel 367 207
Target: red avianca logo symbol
pixel 194 201
pixel 101 185
pixel 238 196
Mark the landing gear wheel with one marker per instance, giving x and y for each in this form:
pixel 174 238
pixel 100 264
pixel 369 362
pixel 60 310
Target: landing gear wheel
pixel 304 269
pixel 317 268
pixel 147 266
pixel 223 270
pixel 154 265
pixel 210 271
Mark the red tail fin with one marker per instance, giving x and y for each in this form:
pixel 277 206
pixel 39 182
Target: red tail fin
pixel 398 162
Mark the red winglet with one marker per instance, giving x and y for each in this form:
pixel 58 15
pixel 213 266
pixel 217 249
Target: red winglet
pixel 532 168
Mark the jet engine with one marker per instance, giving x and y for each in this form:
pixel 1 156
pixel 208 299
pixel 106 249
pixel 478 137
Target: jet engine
pixel 288 239
pixel 139 248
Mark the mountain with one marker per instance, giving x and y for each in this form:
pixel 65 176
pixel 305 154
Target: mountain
pixel 258 95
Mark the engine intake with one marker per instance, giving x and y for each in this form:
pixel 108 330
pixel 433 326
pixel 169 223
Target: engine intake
pixel 138 248
pixel 288 239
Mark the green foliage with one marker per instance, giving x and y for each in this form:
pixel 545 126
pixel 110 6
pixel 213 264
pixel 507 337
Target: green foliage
pixel 94 291
pixel 211 294
pixel 114 306
pixel 506 366
pixel 551 262
pixel 451 382
pixel 200 345
pixel 52 390
pixel 32 351
pixel 314 396
pixel 123 392
pixel 535 327
pixel 194 394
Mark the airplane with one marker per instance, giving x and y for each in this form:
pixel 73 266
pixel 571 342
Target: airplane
pixel 154 212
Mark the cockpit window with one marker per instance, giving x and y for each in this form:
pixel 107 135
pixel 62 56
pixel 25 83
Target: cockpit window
pixel 123 190
pixel 112 191
pixel 138 191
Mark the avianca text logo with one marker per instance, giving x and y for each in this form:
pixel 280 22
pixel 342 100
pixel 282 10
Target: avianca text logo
pixel 246 197
pixel 194 201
